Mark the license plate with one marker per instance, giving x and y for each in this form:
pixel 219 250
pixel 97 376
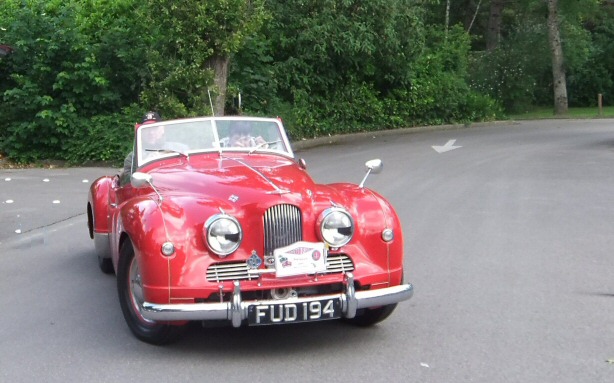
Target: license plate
pixel 282 313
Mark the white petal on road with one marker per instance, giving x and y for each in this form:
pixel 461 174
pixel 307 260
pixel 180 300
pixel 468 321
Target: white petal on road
pixel 46 180
pixel 57 201
pixel 85 181
pixel 9 201
pixel 18 231
pixel 424 365
pixel 7 179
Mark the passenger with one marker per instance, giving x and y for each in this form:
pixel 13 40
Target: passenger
pixel 241 136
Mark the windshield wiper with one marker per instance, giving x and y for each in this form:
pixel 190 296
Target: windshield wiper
pixel 186 155
pixel 260 145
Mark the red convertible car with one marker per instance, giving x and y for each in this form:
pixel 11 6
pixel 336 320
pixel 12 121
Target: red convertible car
pixel 215 220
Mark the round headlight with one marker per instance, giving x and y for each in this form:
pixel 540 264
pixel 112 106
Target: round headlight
pixel 223 234
pixel 336 227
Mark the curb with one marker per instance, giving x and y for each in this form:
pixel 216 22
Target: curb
pixel 305 143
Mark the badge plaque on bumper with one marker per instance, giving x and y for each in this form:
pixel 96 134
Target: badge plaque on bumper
pixel 300 258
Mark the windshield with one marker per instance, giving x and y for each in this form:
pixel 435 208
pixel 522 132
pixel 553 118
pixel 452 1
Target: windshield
pixel 223 134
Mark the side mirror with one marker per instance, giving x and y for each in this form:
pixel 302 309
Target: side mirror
pixel 302 163
pixel 140 180
pixel 375 166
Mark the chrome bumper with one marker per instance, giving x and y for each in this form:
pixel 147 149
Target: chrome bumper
pixel 236 309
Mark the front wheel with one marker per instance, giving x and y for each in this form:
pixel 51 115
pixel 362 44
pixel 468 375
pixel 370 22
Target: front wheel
pixel 369 317
pixel 130 289
pixel 106 265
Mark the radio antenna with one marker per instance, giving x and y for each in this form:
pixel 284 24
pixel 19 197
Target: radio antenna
pixel 211 102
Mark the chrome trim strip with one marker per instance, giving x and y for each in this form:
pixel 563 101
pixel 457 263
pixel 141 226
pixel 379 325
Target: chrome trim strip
pixel 236 310
pixel 277 190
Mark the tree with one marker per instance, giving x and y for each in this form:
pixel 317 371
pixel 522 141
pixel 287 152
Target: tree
pixel 558 69
pixel 493 32
pixel 190 54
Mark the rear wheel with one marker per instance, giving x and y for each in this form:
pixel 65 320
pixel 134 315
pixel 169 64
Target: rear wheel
pixel 129 287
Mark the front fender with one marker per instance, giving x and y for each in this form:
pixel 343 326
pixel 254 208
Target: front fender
pixel 98 205
pixel 141 221
pixel 373 214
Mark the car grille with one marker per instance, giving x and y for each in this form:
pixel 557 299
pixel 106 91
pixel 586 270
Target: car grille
pixel 282 227
pixel 235 271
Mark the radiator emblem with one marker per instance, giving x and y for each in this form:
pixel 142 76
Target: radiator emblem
pixel 254 261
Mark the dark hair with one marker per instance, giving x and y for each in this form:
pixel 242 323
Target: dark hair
pixel 151 117
pixel 241 127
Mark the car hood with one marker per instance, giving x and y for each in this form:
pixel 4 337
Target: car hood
pixel 239 179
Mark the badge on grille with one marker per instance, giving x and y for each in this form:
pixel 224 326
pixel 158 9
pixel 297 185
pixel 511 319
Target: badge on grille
pixel 254 261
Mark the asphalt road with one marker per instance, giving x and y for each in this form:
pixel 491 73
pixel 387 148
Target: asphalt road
pixel 509 240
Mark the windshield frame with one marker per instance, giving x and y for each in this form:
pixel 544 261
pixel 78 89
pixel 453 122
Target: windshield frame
pixel 282 144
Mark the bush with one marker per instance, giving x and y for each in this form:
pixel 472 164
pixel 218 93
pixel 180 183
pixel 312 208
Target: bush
pixel 103 138
pixel 502 75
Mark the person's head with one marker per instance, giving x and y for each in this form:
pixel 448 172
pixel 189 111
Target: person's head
pixel 153 136
pixel 240 129
pixel 151 117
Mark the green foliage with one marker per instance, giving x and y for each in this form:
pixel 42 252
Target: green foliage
pixel 332 67
pixel 83 71
pixel 519 73
pixel 594 69
pixel 502 75
pixel 58 79
pixel 187 36
pixel 103 137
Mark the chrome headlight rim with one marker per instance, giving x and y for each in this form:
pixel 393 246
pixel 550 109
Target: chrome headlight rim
pixel 327 234
pixel 212 239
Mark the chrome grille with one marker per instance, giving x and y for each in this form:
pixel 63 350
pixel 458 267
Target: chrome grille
pixel 338 263
pixel 236 271
pixel 228 272
pixel 282 227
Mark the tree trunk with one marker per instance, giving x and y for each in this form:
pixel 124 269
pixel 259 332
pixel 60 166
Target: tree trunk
pixel 559 81
pixel 219 64
pixel 493 32
pixel 447 17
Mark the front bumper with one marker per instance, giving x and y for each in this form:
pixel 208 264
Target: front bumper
pixel 236 309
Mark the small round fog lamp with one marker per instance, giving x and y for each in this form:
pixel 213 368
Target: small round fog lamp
pixel 387 235
pixel 168 249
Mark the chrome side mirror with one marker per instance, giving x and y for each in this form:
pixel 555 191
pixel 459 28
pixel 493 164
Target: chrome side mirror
pixel 140 180
pixel 302 163
pixel 373 166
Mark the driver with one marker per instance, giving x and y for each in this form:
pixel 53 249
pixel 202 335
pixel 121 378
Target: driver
pixel 152 138
pixel 149 118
